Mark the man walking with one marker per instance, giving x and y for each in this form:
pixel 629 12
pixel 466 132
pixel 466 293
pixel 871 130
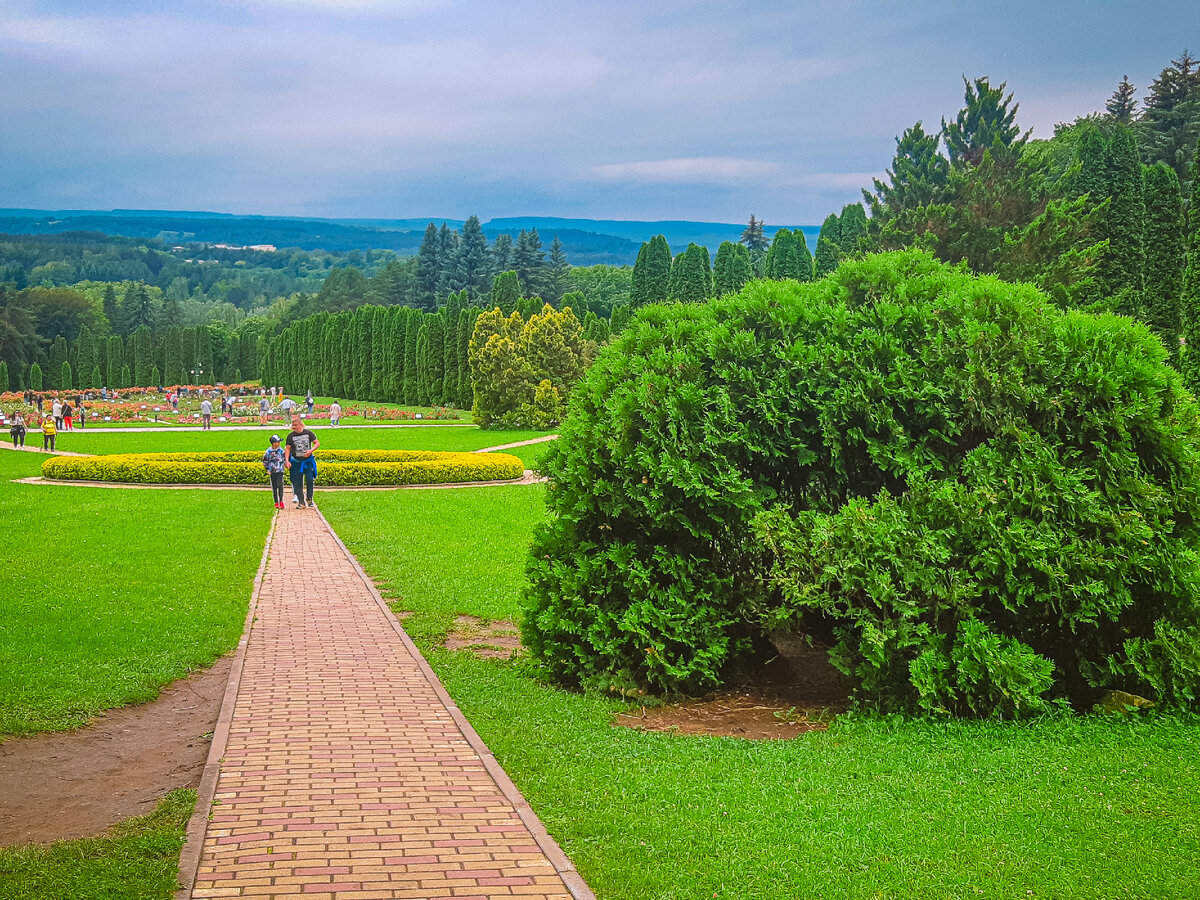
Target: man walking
pixel 206 413
pixel 298 457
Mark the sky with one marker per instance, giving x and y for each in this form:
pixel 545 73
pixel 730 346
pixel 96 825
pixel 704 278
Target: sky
pixel 649 110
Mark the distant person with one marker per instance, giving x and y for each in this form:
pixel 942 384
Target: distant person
pixel 79 408
pixel 49 432
pixel 298 457
pixel 16 429
pixel 264 409
pixel 68 415
pixel 287 407
pixel 308 401
pixel 275 462
pixel 56 412
pixel 335 413
pixel 206 413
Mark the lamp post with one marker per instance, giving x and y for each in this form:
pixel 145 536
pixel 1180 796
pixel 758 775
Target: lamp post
pixel 196 373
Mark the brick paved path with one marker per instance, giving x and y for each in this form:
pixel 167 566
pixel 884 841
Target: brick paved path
pixel 347 772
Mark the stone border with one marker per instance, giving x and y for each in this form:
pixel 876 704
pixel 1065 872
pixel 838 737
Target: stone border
pixel 562 863
pixel 189 857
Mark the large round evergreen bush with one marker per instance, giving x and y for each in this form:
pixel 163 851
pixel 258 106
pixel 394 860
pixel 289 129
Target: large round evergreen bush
pixel 978 502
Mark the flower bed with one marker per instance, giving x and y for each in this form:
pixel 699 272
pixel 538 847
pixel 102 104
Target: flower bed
pixel 335 467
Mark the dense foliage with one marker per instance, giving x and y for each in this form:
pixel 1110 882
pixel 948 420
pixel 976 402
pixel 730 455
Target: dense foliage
pixel 977 501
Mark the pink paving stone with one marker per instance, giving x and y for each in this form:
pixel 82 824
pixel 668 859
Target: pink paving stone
pixel 340 746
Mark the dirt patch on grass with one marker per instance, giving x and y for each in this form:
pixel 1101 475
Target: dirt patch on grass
pixel 491 640
pixel 741 714
pixel 77 784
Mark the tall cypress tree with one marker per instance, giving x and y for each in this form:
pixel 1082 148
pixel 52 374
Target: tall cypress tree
pixel 852 223
pixel 364 321
pixel 116 355
pixel 506 291
pixel 466 325
pixel 412 333
pixel 423 368
pixel 1165 257
pixel 651 280
pixel 731 270
pixel 142 360
pixel 1191 284
pixel 829 249
pixel 449 356
pixel 58 356
pixel 691 275
pixel 66 378
pixel 380 354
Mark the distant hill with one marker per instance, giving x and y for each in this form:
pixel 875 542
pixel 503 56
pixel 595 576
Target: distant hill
pixel 585 241
pixel 678 233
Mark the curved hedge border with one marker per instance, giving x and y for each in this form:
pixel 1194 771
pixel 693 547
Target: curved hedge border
pixel 337 467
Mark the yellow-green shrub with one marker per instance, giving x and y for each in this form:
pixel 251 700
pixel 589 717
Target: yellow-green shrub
pixel 335 467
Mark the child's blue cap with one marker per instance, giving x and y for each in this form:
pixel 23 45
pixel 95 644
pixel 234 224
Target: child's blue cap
pixel 274 439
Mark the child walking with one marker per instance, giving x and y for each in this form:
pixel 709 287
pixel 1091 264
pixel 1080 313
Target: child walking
pixel 49 432
pixel 273 462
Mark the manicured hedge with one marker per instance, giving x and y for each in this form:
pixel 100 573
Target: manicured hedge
pixel 334 467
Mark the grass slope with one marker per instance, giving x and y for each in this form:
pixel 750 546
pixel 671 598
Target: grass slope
pixel 1062 808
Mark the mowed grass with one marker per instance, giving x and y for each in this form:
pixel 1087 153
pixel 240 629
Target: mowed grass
pixel 108 595
pixel 1058 808
pixel 407 437
pixel 136 860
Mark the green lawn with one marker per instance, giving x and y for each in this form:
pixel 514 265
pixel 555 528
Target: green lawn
pixel 136 860
pixel 107 595
pixel 1059 808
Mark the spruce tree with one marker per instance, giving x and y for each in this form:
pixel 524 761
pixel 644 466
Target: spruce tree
pixel 447 243
pixel 428 269
pixel 472 261
pixel 558 280
pixel 1169 127
pixel 1122 105
pixel 753 237
pixel 502 254
pixel 529 262
pixel 1165 256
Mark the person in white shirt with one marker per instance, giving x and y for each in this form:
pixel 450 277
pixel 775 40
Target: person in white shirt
pixel 206 413
pixel 335 413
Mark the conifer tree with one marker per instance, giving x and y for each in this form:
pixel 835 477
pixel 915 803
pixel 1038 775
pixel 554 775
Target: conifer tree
pixel 502 254
pixel 829 249
pixel 35 377
pixel 506 291
pixel 412 381
pixel 1170 124
pixel 987 122
pixel 529 262
pixel 96 380
pixel 1109 170
pixel 58 356
pixel 1122 105
pixel 1165 256
pixel 753 237
pixel 155 377
pixel 111 310
pixel 1191 286
pixel 731 271
pixel 449 357
pixel 691 275
pixel 84 353
pixel 651 273
pixel 619 317
pixel 447 244
pixel 116 353
pixel 423 373
pixel 4 382
pixel 472 261
pixel 380 354
pixel 428 269
pixel 465 391
pixel 66 379
pixel 142 359
pixel 125 379
pixel 917 178
pixel 852 224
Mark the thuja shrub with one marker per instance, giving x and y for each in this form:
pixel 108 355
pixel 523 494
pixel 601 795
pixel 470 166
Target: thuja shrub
pixel 335 467
pixel 983 505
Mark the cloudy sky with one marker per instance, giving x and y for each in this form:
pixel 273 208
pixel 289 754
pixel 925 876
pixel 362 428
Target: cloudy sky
pixel 655 109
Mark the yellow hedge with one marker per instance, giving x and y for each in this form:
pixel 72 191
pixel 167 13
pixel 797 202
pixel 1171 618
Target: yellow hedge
pixel 334 467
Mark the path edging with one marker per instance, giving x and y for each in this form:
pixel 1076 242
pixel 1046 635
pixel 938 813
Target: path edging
pixel 558 858
pixel 197 827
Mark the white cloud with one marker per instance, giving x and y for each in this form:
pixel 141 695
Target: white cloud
pixel 705 169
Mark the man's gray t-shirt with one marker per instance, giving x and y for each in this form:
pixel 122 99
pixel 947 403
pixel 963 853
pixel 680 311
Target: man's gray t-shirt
pixel 300 443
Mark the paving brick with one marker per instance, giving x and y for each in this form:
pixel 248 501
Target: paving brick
pixel 344 773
